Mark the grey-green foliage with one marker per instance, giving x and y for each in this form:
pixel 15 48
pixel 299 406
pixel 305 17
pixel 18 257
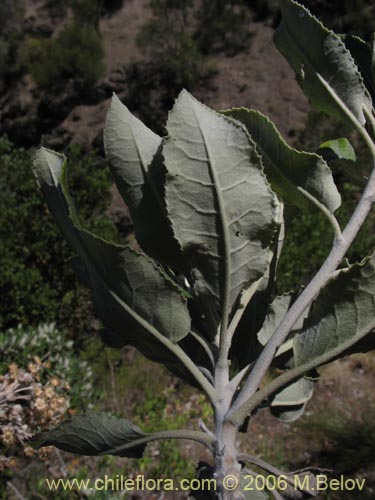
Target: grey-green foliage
pixel 344 308
pixel 338 149
pixel 324 67
pixel 226 245
pixel 97 434
pixel 199 295
pixel 280 161
pixel 135 157
pixel 122 293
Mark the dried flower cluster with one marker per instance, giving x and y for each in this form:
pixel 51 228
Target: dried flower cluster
pixel 38 371
pixel 21 345
pixel 28 405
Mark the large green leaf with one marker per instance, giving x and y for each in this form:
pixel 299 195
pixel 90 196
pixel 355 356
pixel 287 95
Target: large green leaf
pixel 133 152
pixel 276 312
pixel 324 67
pixel 337 149
pixel 94 434
pixel 286 168
pixel 136 301
pixel 218 200
pixel 344 309
pixel 289 403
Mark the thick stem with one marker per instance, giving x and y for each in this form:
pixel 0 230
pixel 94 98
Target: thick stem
pixel 227 467
pixel 278 383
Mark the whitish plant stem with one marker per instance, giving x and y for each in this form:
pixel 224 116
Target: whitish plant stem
pixel 334 258
pixel 15 491
pixel 371 120
pixel 276 495
pixel 204 345
pixel 273 470
pixel 171 346
pixel 243 457
pixel 226 460
pixel 289 376
pixel 199 437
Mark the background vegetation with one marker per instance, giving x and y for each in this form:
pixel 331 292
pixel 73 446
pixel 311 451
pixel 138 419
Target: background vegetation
pixel 33 287
pixel 180 41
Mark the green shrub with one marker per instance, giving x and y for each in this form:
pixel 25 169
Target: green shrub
pixel 11 38
pixel 86 11
pixel 222 26
pixel 168 39
pixel 76 53
pixel 11 13
pixel 32 288
pixel 10 62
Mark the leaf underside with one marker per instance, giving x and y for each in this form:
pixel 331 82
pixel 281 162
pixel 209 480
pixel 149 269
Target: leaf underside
pixel 324 67
pixel 94 434
pixel 363 56
pixel 124 282
pixel 134 155
pixel 218 200
pixel 276 312
pixel 344 308
pixel 289 403
pixel 286 168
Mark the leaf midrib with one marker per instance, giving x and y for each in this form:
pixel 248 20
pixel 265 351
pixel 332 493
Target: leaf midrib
pixel 225 291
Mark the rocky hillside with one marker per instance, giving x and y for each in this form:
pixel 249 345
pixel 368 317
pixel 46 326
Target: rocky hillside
pixel 60 61
pixel 61 112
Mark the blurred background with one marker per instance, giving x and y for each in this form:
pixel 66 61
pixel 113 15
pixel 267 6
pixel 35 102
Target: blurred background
pixel 60 62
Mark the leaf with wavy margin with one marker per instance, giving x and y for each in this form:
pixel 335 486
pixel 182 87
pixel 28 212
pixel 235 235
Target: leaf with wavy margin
pixel 218 200
pixel 124 282
pixel 289 403
pixel 363 56
pixel 325 69
pixel 94 434
pixel 343 309
pixel 134 155
pixel 287 168
pixel 277 310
